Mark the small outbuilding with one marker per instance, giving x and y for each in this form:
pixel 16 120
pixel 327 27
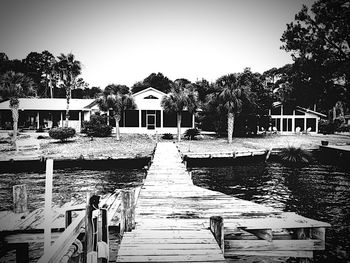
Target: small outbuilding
pixel 288 119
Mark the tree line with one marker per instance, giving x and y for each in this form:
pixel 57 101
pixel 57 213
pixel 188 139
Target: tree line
pixel 319 75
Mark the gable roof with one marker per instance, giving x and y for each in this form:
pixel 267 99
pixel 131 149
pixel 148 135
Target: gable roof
pixel 305 110
pixel 48 104
pixel 148 89
pixel 311 111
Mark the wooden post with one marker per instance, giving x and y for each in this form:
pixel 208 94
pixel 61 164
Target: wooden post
pixel 302 233
pixel 217 228
pixel 68 218
pixel 92 204
pixel 102 243
pixel 128 210
pixel 22 253
pixel 48 201
pixel 20 201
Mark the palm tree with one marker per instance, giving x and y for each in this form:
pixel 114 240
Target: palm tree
pixel 117 103
pixel 180 98
pixel 230 96
pixel 68 69
pixel 14 86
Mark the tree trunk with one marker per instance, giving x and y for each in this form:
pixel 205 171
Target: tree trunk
pixel 230 124
pixel 14 110
pixel 178 126
pixel 117 119
pixel 68 96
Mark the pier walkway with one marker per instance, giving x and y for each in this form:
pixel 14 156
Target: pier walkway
pixel 172 221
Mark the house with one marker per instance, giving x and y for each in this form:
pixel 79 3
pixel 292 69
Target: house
pixel 288 119
pixel 46 113
pixel 150 117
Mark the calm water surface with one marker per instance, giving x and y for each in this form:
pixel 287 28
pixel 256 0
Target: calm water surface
pixel 321 192
pixel 68 184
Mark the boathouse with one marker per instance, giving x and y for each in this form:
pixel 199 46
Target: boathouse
pixel 35 113
pixel 287 119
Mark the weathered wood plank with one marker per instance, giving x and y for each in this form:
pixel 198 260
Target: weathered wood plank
pixel 300 245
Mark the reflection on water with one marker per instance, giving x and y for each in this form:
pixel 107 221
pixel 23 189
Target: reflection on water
pixel 321 192
pixel 68 184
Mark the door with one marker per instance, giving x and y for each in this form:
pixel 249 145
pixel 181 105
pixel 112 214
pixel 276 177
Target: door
pixel 151 121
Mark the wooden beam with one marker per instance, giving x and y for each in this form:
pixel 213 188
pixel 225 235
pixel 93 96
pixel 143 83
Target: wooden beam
pixel 48 204
pixel 62 244
pixel 284 245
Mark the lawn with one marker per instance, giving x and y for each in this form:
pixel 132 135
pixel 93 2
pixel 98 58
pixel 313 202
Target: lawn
pixel 129 146
pixel 213 144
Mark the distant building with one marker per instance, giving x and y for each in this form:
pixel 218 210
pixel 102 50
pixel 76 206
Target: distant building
pixel 46 113
pixel 289 120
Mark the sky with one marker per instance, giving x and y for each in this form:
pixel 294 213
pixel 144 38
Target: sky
pixel 123 42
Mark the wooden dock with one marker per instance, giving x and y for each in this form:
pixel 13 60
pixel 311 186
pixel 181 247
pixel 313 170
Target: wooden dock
pixel 173 221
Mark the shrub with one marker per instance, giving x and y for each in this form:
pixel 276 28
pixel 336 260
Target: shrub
pixel 62 133
pixel 295 156
pixel 343 128
pixel 191 133
pixel 326 127
pixel 97 127
pixel 167 136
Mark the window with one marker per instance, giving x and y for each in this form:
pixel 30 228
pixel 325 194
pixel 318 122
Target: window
pixel 311 122
pixel 287 124
pixel 169 119
pixel 186 120
pixel 276 111
pixel 276 123
pixel 299 122
pixel 131 118
pixel 287 110
pixel 151 97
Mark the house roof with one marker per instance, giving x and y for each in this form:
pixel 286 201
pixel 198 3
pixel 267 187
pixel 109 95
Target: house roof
pixel 311 111
pixel 278 104
pixel 48 104
pixel 148 89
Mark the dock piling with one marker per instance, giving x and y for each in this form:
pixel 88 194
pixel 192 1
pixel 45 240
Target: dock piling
pixel 217 228
pixel 20 202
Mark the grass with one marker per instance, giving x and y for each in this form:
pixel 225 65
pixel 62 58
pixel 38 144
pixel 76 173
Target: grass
pixel 213 144
pixel 129 146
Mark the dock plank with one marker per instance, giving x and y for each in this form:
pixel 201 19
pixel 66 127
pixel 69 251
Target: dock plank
pixel 172 221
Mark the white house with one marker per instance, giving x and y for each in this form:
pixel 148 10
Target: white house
pixel 287 119
pixel 149 117
pixel 47 113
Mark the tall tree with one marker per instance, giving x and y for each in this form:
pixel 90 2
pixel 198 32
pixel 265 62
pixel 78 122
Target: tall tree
pixel 319 41
pixel 157 81
pixel 68 69
pixel 116 103
pixel 41 70
pixel 180 98
pixel 230 95
pixel 14 86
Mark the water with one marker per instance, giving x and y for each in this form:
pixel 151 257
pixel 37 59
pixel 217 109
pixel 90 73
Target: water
pixel 68 184
pixel 317 191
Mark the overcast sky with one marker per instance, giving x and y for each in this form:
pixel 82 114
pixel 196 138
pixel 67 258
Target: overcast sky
pixel 123 42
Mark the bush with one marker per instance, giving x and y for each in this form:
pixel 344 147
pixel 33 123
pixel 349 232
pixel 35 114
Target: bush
pixel 343 128
pixel 167 136
pixel 97 127
pixel 62 133
pixel 326 127
pixel 295 156
pixel 191 133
